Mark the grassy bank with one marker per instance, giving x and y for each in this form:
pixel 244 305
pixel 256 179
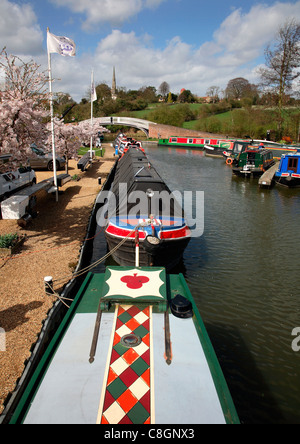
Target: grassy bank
pixel 224 118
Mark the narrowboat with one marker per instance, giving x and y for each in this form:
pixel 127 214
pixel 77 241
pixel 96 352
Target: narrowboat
pixel 237 148
pixel 241 145
pixel 213 151
pixel 144 212
pixel 288 173
pixel 131 349
pixel 278 149
pixel 253 162
pixel 122 143
pixel 195 142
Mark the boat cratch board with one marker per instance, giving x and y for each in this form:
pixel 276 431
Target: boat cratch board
pixel 153 362
pixel 132 283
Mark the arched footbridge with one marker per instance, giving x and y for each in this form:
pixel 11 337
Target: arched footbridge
pixel 140 124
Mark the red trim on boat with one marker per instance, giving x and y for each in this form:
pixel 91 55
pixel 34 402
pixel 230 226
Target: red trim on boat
pixel 175 234
pixel 123 232
pixel 179 233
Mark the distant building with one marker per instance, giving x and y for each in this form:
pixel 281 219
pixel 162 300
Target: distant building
pixel 114 86
pixel 206 99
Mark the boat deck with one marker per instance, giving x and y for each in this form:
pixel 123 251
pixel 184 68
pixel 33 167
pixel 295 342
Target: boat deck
pixel 152 380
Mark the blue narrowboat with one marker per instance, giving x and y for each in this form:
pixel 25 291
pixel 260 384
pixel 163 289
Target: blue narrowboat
pixel 157 223
pixel 288 173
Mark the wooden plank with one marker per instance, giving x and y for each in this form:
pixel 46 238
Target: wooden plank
pixel 266 179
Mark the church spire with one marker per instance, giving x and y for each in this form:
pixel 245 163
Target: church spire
pixel 114 86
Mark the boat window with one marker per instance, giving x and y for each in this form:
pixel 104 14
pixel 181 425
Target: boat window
pixel 190 140
pixel 207 141
pixel 6 177
pixel 173 139
pixel 293 164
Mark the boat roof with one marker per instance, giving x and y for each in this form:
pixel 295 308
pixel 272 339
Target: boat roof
pixel 134 166
pixel 296 154
pixel 256 151
pixel 128 383
pixel 136 173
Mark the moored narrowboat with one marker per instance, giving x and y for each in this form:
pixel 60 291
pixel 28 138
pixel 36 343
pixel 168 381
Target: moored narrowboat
pixel 132 349
pixel 253 162
pixel 241 145
pixel 123 143
pixel 237 148
pixel 288 173
pixel 278 149
pixel 195 142
pixel 145 213
pixel 214 151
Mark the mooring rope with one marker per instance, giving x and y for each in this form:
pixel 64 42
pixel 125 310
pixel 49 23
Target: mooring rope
pixel 99 261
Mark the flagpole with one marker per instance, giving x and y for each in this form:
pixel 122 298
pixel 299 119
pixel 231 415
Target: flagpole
pixel 92 101
pixel 52 121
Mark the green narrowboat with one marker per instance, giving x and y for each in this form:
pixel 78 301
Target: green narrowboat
pixel 132 349
pixel 253 162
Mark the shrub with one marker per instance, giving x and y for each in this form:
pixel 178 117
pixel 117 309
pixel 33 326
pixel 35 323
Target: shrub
pixel 8 240
pixel 174 116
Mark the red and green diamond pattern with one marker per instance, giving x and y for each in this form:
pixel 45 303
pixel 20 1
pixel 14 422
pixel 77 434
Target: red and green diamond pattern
pixel 127 398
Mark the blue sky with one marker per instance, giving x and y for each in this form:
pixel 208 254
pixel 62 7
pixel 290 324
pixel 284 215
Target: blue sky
pixel 192 44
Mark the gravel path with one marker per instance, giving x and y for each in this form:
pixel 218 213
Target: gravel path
pixel 52 248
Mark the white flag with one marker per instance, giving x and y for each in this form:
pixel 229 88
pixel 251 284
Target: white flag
pixel 93 90
pixel 62 45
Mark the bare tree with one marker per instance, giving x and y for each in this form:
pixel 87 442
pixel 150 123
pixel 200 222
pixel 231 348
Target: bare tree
pixel 282 64
pixel 213 92
pixel 164 89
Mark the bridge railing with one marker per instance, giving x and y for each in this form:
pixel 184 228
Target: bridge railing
pixel 140 123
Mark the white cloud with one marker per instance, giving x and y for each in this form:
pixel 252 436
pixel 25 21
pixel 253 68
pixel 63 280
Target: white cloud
pixel 242 36
pixel 19 30
pixel 236 49
pixel 139 64
pixel 114 12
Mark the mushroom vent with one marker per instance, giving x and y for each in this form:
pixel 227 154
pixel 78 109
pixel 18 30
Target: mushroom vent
pixel 181 307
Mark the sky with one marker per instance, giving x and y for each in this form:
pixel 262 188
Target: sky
pixel 191 44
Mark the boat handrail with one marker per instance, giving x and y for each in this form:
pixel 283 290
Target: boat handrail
pixel 139 171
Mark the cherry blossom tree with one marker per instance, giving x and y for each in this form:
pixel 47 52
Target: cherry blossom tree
pixel 66 138
pixel 25 115
pixel 70 137
pixel 23 107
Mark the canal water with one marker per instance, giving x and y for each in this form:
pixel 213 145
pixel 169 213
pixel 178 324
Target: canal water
pixel 244 275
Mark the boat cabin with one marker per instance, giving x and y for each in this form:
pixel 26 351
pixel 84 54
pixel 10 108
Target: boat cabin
pixel 253 162
pixel 288 173
pixel 238 147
